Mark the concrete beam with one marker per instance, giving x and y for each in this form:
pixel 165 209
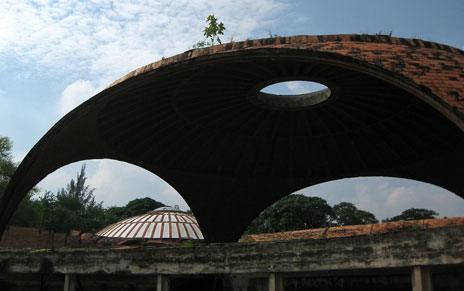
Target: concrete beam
pixel 433 247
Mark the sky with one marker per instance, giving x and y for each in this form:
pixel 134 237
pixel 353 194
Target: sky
pixel 56 54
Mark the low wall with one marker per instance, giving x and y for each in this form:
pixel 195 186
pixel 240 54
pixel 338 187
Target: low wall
pixel 433 247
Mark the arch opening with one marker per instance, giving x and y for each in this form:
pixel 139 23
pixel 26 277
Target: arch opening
pixel 354 201
pixel 121 190
pixel 116 182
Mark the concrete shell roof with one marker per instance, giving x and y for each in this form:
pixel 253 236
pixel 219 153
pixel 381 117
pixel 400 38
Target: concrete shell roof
pixel 397 110
pixel 161 224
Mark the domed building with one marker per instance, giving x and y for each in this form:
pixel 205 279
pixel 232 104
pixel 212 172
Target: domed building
pixel 161 224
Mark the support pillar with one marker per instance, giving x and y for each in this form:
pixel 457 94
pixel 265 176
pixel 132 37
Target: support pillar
pixel 276 282
pixel 421 279
pixel 69 282
pixel 162 283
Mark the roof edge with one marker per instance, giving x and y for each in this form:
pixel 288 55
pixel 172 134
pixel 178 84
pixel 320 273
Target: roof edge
pixel 356 230
pixel 285 41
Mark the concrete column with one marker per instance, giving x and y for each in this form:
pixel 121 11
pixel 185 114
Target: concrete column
pixel 421 279
pixel 69 282
pixel 276 282
pixel 162 283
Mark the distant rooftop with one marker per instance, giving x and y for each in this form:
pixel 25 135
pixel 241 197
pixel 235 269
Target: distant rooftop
pixel 355 230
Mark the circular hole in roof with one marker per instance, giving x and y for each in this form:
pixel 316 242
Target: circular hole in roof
pixel 290 88
pixel 292 95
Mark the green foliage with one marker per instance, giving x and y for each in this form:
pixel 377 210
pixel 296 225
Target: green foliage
pixel 73 207
pixel 47 205
pixel 292 213
pixel 133 208
pixel 77 196
pixel 296 212
pixel 414 214
pixel 5 148
pixel 7 166
pixel 28 213
pixel 346 213
pixel 212 32
pixel 214 29
pixel 141 205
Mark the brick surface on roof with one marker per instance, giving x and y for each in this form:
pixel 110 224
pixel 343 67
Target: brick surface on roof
pixel 435 68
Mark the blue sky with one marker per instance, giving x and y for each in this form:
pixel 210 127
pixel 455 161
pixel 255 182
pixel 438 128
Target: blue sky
pixel 56 54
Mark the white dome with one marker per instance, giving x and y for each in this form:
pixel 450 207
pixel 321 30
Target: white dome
pixel 161 223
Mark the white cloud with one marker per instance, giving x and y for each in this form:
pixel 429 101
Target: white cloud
pixel 58 179
pixel 116 183
pixel 103 40
pixel 301 87
pixel 18 156
pixel 74 94
pixel 107 39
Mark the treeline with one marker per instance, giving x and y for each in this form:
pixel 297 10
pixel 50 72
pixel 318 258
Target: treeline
pixel 295 212
pixel 75 207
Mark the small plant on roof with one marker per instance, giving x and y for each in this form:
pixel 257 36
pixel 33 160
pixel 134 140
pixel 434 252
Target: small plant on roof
pixel 214 29
pixel 211 32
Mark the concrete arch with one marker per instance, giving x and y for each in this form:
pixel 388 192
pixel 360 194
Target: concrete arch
pixel 187 119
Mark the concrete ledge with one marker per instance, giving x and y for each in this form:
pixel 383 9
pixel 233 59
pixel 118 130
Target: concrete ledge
pixel 433 247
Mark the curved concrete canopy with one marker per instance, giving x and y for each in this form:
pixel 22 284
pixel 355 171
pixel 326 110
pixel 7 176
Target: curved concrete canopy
pixel 396 109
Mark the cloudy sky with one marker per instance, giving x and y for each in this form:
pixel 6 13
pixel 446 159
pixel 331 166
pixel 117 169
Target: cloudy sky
pixel 56 54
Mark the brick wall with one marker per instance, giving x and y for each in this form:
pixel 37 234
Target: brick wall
pixel 28 237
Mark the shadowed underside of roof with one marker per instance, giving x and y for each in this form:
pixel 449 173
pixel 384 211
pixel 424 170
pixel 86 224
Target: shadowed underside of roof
pixel 396 109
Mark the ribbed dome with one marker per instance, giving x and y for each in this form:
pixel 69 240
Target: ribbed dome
pixel 161 223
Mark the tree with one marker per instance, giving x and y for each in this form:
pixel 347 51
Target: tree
pixel 73 207
pixel 214 29
pixel 132 208
pixel 7 166
pixel 346 213
pixel 211 32
pixel 141 206
pixel 293 212
pixel 414 214
pixel 29 212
